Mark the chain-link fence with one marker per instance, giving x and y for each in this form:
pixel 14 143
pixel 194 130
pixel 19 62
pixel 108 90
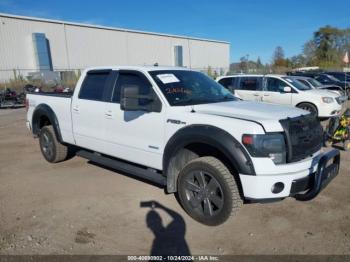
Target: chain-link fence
pixel 16 79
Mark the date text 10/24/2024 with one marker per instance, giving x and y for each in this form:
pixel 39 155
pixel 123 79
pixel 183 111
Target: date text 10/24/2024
pixel 173 258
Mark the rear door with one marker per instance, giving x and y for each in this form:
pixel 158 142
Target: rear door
pixel 274 91
pixel 137 136
pixel 249 88
pixel 89 109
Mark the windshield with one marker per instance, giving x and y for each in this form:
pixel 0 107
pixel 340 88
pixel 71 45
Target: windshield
pixel 333 78
pixel 315 83
pixel 297 84
pixel 181 87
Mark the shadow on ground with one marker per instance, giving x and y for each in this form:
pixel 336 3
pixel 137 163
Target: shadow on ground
pixel 170 239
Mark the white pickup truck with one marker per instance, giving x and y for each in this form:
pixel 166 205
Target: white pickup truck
pixel 181 129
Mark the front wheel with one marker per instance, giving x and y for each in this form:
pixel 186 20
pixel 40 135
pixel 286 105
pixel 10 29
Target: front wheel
pixel 208 191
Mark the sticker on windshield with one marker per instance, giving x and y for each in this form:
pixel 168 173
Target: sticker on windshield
pixel 168 78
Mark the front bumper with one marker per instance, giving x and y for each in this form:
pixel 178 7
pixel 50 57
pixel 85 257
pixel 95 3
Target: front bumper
pixel 329 110
pixel 296 185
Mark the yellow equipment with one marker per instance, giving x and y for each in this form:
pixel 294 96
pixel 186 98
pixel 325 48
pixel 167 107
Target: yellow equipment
pixel 338 130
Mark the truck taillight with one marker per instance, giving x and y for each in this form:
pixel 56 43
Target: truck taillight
pixel 27 104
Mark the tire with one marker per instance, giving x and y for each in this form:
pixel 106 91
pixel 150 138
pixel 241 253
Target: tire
pixel 208 191
pixel 346 145
pixel 327 143
pixel 308 107
pixel 52 150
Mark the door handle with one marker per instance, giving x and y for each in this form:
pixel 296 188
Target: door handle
pixel 266 95
pixel 76 109
pixel 108 114
pixel 256 95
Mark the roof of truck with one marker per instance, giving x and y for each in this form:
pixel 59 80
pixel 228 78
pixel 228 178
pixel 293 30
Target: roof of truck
pixel 139 68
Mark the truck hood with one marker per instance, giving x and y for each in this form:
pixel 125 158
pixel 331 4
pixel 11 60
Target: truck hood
pixel 268 115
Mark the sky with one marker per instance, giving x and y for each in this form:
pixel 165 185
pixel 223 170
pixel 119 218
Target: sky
pixel 253 28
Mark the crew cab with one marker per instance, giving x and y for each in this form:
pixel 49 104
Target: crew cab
pixel 181 129
pixel 283 90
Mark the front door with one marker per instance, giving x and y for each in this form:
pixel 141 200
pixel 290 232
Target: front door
pixel 137 136
pixel 274 92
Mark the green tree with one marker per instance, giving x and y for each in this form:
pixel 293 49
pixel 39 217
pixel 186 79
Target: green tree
pixel 328 41
pixel 309 52
pixel 278 59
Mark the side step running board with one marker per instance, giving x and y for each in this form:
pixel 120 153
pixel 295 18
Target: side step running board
pixel 123 166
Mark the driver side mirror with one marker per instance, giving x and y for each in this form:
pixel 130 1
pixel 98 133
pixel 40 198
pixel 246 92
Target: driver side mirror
pixel 132 100
pixel 287 89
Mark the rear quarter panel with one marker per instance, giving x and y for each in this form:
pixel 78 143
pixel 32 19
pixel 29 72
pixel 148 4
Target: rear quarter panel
pixel 61 106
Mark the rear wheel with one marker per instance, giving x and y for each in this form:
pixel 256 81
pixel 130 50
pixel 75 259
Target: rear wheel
pixel 308 107
pixel 208 191
pixel 52 150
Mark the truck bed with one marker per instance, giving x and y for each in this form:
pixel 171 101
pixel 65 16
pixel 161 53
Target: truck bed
pixel 60 103
pixel 55 94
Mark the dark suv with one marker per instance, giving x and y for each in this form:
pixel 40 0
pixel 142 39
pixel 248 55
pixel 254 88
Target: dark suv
pixel 327 79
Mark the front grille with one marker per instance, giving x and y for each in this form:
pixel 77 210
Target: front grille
pixel 304 136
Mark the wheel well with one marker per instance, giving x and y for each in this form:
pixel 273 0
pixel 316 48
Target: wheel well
pixel 196 150
pixel 309 103
pixel 44 121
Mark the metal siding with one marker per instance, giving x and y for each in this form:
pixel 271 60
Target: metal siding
pixel 204 54
pixel 76 47
pixel 95 47
pixel 16 49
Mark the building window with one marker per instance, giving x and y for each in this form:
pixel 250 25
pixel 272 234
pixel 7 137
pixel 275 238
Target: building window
pixel 178 55
pixel 42 51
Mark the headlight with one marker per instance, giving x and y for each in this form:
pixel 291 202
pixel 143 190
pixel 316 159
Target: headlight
pixel 268 145
pixel 327 100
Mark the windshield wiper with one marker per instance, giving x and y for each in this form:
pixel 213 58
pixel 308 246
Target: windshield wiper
pixel 178 102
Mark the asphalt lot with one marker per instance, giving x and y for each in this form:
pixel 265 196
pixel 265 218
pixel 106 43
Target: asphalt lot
pixel 76 207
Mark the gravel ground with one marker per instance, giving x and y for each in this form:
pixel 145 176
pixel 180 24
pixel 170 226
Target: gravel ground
pixel 76 207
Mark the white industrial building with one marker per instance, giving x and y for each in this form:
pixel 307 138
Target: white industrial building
pixel 30 44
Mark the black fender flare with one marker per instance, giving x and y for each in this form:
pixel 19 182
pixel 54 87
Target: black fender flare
pixel 213 136
pixel 45 110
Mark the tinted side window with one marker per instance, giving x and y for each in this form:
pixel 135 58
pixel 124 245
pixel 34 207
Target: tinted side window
pixel 131 79
pixel 304 82
pixel 93 86
pixel 226 82
pixel 321 78
pixel 249 83
pixel 275 85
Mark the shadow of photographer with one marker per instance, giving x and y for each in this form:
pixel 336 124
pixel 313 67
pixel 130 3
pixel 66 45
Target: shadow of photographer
pixel 170 239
